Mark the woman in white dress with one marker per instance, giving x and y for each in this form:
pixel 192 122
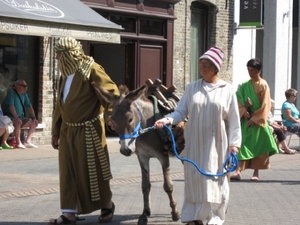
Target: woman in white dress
pixel 211 134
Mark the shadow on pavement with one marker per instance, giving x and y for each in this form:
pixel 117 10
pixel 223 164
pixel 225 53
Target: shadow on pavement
pixel 285 182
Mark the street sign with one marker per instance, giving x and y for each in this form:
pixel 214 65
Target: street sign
pixel 251 13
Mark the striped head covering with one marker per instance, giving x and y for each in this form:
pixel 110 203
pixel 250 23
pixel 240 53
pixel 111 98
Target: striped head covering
pixel 215 55
pixel 73 58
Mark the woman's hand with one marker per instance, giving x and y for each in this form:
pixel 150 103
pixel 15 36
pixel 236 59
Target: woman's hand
pixel 160 123
pixel 246 115
pixel 288 114
pixel 233 149
pixel 250 123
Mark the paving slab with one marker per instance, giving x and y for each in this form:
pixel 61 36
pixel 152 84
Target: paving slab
pixel 29 190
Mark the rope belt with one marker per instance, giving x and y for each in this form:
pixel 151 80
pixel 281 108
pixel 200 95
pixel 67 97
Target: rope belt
pixel 92 141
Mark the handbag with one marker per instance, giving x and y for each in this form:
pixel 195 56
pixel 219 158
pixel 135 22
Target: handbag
pixel 7 123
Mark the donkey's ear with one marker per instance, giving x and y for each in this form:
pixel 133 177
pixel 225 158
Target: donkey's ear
pixel 108 96
pixel 137 93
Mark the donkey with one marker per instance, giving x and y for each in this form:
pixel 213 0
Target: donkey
pixel 133 111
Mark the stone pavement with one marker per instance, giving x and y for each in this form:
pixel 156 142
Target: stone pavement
pixel 29 191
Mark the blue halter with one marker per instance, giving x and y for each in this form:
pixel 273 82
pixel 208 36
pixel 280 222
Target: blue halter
pixel 137 130
pixel 135 133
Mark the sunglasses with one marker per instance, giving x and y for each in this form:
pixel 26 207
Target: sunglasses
pixel 23 85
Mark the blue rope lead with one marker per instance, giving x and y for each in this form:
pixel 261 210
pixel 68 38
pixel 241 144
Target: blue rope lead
pixel 231 161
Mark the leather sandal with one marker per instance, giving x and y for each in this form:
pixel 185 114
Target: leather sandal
pixel 65 220
pixel 106 212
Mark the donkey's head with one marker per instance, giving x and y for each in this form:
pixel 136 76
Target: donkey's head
pixel 126 115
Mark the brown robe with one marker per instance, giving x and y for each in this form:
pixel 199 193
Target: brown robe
pixel 83 104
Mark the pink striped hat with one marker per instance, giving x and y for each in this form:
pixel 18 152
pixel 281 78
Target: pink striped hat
pixel 215 55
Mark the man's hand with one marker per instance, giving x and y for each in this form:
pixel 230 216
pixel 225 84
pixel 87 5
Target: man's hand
pixel 35 121
pixel 112 125
pixel 54 141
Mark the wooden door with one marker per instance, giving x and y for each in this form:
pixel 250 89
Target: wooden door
pixel 150 63
pixel 112 58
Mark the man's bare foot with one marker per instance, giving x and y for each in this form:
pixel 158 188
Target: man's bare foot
pixel 65 218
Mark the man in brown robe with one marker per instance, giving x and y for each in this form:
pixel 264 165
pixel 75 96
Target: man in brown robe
pixel 78 131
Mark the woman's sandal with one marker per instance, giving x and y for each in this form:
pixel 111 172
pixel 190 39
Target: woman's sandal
pixel 235 177
pixel 196 222
pixel 65 220
pixel 106 212
pixel 254 178
pixel 290 151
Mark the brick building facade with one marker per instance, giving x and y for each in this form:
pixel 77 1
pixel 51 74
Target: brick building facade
pixel 218 29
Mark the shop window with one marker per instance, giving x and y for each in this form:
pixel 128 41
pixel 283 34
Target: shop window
pixel 19 60
pixel 152 27
pixel 137 25
pixel 128 23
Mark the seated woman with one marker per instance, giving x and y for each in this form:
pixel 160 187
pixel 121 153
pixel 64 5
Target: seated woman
pixel 279 131
pixel 290 114
pixel 4 135
pixel 6 127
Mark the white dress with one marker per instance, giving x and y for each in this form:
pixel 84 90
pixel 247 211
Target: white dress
pixel 213 126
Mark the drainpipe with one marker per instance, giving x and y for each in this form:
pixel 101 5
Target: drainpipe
pixel 289 52
pixel 185 44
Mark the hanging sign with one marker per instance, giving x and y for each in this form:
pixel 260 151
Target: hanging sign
pixel 251 13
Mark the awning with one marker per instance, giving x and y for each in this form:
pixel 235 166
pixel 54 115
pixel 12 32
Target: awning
pixel 56 18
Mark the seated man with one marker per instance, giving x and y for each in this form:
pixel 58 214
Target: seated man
pixel 14 105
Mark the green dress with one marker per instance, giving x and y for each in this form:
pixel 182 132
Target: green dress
pixel 256 140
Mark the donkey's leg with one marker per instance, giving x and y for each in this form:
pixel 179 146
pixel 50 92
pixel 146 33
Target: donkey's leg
pixel 146 187
pixel 168 185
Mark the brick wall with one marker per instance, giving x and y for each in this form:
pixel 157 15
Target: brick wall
pixel 42 136
pixel 220 33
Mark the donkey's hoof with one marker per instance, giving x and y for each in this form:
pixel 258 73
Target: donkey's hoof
pixel 143 220
pixel 175 216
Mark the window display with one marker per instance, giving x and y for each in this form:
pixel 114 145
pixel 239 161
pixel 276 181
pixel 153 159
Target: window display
pixel 19 60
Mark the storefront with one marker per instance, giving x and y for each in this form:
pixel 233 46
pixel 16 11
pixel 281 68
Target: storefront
pixel 28 30
pixel 147 41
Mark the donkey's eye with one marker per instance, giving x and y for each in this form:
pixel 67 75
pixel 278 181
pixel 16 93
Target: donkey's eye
pixel 130 120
